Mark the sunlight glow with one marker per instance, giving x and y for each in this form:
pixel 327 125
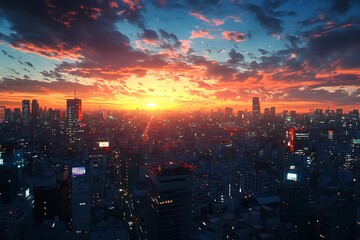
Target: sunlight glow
pixel 152 105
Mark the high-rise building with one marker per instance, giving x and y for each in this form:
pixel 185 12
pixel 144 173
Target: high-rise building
pixel 272 111
pixel 339 112
pixel 26 112
pixel 256 107
pixel 294 204
pixel 17 115
pixel 8 115
pixel 2 114
pixel 298 140
pixel 228 113
pixel 168 190
pixel 80 201
pixel 73 116
pixel 318 112
pixel 266 112
pixel 35 111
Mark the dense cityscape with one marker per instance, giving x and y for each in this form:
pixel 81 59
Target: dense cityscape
pixel 257 174
pixel 179 119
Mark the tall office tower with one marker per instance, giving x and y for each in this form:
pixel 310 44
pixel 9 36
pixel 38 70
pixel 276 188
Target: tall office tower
pixel 298 140
pixel 26 112
pixel 17 115
pixel 339 112
pixel 266 112
pixel 168 190
pixel 272 111
pixel 35 114
pixel 80 202
pixel 74 117
pixel 318 112
pixel 294 204
pixel 2 114
pixel 256 107
pixel 228 113
pixel 8 115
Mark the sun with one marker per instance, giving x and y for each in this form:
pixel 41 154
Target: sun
pixel 152 105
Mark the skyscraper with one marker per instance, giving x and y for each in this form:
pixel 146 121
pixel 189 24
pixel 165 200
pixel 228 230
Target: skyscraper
pixel 35 111
pixel 2 114
pixel 272 111
pixel 73 116
pixel 168 190
pixel 228 113
pixel 256 107
pixel 26 112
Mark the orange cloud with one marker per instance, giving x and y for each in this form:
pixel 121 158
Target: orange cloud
pixel 58 53
pixel 201 34
pixel 234 36
pixel 133 4
pixel 214 21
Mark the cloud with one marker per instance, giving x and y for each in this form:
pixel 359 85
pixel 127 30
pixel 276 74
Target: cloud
pixel 272 24
pixel 234 36
pixel 25 85
pixel 226 95
pixel 201 34
pixel 29 64
pixel 340 6
pixel 235 57
pixel 214 21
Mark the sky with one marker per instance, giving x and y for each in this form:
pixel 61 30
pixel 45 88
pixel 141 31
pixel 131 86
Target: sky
pixel 181 54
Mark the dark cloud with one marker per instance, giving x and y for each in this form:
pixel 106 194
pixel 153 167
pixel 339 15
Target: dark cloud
pixel 263 51
pixel 84 31
pixel 272 24
pixel 294 41
pixel 235 57
pixel 335 42
pixel 29 64
pixel 7 54
pixel 268 16
pixel 338 96
pixel 149 34
pixel 341 6
pixel 25 85
pixel 53 74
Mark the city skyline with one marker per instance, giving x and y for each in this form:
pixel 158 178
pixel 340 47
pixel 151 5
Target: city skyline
pixel 181 55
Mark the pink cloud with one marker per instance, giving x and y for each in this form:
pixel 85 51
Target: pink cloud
pixel 113 4
pixel 234 36
pixel 214 21
pixel 133 4
pixel 201 34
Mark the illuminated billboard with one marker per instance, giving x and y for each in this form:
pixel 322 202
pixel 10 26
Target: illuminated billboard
pixel 103 144
pixel 77 171
pixel 27 192
pixel 292 176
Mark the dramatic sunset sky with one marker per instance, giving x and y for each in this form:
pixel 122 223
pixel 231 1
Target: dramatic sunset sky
pixel 181 54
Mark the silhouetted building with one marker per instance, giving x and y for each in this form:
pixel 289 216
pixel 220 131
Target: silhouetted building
pixel 256 107
pixel 169 201
pixel 266 112
pixel 228 113
pixel 26 112
pixel 2 114
pixel 272 111
pixel 294 204
pixel 73 117
pixel 35 114
pixel 80 201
